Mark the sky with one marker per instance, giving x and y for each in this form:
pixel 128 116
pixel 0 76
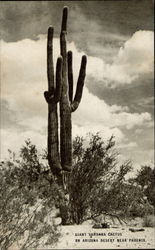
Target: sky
pixel 118 39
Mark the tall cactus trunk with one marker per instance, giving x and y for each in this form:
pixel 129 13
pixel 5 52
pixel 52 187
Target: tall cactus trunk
pixel 65 110
pixel 67 104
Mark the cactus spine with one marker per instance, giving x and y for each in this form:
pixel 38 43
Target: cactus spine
pixel 63 93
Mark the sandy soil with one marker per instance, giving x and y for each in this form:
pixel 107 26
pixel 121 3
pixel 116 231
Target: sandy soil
pixel 84 236
pixel 116 237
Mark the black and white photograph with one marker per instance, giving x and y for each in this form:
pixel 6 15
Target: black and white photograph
pixel 77 125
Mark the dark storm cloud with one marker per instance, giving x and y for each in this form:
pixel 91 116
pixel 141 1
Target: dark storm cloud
pixel 96 20
pixel 138 96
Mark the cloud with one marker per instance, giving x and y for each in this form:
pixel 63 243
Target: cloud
pixel 147 102
pixel 134 59
pixel 128 145
pixel 24 80
pixel 95 111
pixel 28 19
pixel 104 132
pixel 12 139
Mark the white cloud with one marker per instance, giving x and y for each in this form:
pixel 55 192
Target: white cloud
pixel 35 123
pixel 24 80
pixel 135 58
pixel 104 132
pixel 94 111
pixel 12 139
pixel 129 120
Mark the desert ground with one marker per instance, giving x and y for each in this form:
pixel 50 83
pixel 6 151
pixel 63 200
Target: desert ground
pixel 84 236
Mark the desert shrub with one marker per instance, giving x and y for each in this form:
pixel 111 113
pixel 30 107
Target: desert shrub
pixel 97 183
pixel 139 209
pixel 28 196
pixel 146 179
pixel 149 221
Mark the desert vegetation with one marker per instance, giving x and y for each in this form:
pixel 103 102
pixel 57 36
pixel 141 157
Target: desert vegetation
pixel 27 197
pixel 97 186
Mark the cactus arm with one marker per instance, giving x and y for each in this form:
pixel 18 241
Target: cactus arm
pixel 57 93
pixel 53 95
pixel 70 75
pixel 50 68
pixel 80 84
pixel 48 97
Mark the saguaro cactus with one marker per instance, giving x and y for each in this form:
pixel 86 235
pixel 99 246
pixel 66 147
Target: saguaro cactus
pixel 67 104
pixel 63 92
pixel 52 97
